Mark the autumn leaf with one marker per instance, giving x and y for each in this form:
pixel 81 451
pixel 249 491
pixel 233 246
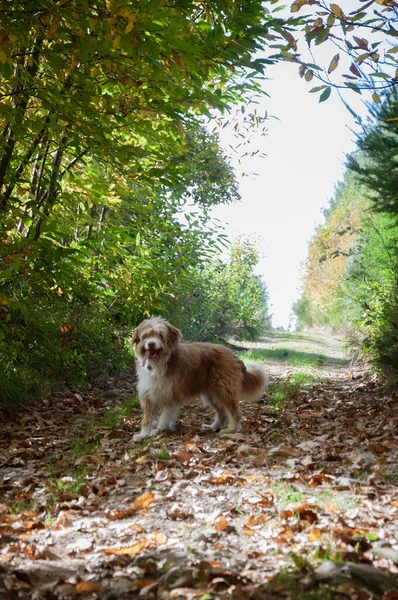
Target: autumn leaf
pixel 129 550
pixel 224 478
pixel 88 587
pixel 144 501
pixel 354 70
pixel 334 63
pixel 152 541
pixel 288 36
pixel 295 7
pixel 221 524
pixel 361 42
pixel 314 535
pixel 336 10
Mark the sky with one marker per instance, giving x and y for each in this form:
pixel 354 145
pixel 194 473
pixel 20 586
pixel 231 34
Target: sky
pixel 281 206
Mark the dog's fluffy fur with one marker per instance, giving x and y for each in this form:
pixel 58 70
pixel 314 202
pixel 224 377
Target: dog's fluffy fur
pixel 171 374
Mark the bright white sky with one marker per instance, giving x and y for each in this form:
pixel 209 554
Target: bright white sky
pixel 282 205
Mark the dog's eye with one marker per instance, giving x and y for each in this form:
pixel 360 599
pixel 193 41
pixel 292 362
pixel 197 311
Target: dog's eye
pixel 161 336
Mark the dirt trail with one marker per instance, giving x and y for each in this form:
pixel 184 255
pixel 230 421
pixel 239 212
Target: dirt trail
pixel 85 512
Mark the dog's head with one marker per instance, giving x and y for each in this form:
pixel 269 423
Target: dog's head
pixel 155 339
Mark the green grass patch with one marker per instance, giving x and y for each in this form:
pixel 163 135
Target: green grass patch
pixel 112 417
pixel 289 357
pixel 286 493
pixel 21 506
pixel 292 386
pixel 325 496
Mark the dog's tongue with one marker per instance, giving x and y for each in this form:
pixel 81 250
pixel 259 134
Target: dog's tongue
pixel 148 354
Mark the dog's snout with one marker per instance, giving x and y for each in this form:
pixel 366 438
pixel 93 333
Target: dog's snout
pixel 151 346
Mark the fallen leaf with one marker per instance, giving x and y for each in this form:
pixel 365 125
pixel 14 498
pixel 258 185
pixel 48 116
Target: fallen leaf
pixel 315 534
pixel 137 528
pixel 283 450
pixel 221 524
pixel 129 550
pixel 88 587
pixel 144 501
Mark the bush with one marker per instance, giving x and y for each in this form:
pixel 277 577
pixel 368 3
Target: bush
pixel 51 343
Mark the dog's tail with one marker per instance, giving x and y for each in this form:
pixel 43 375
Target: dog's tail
pixel 255 382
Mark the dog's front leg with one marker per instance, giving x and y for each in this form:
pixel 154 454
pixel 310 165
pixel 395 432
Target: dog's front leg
pixel 148 420
pixel 167 420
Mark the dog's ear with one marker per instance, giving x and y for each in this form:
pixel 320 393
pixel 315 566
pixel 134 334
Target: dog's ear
pixel 136 338
pixel 174 334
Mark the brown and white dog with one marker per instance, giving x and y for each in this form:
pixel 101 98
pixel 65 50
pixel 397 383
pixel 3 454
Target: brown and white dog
pixel 171 374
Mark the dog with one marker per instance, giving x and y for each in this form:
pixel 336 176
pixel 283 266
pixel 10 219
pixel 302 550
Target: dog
pixel 172 374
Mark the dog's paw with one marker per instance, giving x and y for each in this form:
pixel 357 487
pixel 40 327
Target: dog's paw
pixel 231 429
pixel 138 436
pixel 156 431
pixel 212 427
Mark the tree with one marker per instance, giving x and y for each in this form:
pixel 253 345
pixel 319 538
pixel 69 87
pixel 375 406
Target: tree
pixel 103 143
pixel 363 43
pixel 225 297
pixel 351 280
pixel 328 254
pixel 376 163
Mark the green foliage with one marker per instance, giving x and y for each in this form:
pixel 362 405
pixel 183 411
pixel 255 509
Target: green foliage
pixel 225 298
pixel 367 39
pixel 375 164
pixel 372 295
pixel 364 294
pixel 329 250
pixel 104 144
pixel 50 343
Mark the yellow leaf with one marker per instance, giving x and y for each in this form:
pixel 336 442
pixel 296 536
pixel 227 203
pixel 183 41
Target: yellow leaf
pixel 376 98
pixel 154 540
pixel 315 534
pixel 309 75
pixel 361 58
pixel 129 550
pixel 130 26
pixel 333 63
pixel 144 501
pixel 3 56
pixel 221 524
pixel 123 12
pixel 298 4
pixel 116 41
pixel 336 10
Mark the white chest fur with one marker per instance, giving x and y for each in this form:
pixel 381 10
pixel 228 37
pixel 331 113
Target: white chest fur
pixel 153 384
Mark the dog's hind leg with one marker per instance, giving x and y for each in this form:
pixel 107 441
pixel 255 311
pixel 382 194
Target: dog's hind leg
pixel 234 416
pixel 221 414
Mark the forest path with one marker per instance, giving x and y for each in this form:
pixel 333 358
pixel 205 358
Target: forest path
pixel 85 512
